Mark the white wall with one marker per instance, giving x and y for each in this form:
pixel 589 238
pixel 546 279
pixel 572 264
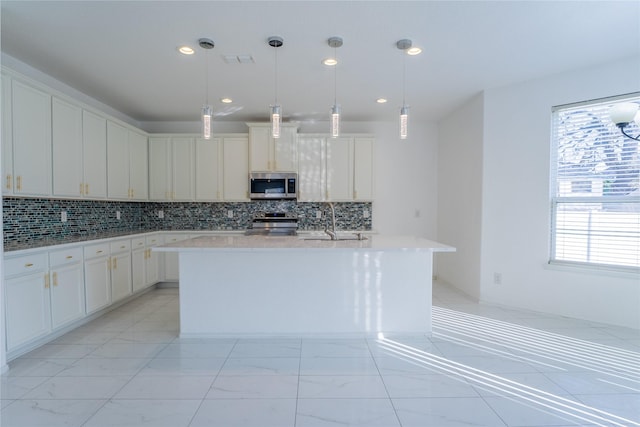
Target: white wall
pixel 516 208
pixel 460 196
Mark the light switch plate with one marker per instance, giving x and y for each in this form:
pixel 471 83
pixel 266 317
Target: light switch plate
pixel 318 214
pixel 117 214
pixel 229 214
pixel 63 216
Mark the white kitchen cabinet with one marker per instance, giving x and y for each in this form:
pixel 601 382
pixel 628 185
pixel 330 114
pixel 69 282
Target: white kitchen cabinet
pixel 335 169
pixel 67 149
pixel 270 154
pixel 7 136
pixel 171 168
pixel 97 277
pixel 152 259
pixel 339 169
pixel 235 178
pixel 312 177
pixel 138 166
pixel 121 282
pixel 363 165
pixel 27 305
pixel 138 264
pixel 127 163
pixel 31 130
pixel 94 155
pixel 209 169
pixel 67 286
pixel 171 263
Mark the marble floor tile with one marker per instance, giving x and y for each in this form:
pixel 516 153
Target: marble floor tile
pixel 16 387
pixel 244 349
pixel 254 387
pixel 346 412
pixel 182 366
pixel 166 387
pixel 48 413
pixel 99 367
pixel 446 412
pixel 140 413
pixel 61 351
pixel 335 348
pixel 197 350
pixel 23 367
pixel 261 366
pixel 434 385
pixel 338 366
pixel 341 386
pixel 246 413
pixel 127 350
pixel 78 388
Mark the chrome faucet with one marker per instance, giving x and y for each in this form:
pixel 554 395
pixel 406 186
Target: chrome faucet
pixel 332 233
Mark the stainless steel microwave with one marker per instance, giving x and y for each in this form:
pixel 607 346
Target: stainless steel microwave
pixel 273 185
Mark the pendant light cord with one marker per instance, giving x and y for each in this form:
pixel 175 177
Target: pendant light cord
pixel 335 78
pixel 404 77
pixel 206 77
pixel 275 77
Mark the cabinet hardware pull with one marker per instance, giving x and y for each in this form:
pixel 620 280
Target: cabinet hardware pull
pixel 115 263
pixel 69 256
pixel 28 265
pixel 122 247
pixel 19 183
pixel 55 278
pixel 86 189
pixel 98 252
pixel 46 281
pixel 8 182
pixel 81 189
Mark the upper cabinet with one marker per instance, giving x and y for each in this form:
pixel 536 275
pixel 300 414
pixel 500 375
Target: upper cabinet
pixel 209 169
pixel 31 141
pixel 94 155
pixel 7 136
pixel 171 165
pixel 269 154
pixel 127 163
pixel 335 169
pixel 235 152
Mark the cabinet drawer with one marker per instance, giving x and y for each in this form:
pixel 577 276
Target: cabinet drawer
pixel 25 264
pixel 97 250
pixel 137 243
pixel 65 256
pixel 120 246
pixel 154 240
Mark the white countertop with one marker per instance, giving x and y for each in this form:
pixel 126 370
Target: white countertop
pixel 304 242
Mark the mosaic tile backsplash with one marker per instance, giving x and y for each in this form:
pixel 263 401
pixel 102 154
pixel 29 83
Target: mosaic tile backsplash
pixel 37 222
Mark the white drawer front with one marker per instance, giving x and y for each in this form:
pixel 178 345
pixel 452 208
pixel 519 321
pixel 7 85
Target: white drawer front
pixel 137 243
pixel 154 240
pixel 120 246
pixel 25 264
pixel 98 250
pixel 65 256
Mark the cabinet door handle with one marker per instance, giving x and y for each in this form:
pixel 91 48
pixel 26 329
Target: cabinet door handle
pixel 115 263
pixel 86 189
pixel 9 182
pixel 28 265
pixel 46 281
pixel 98 252
pixel 122 247
pixel 69 256
pixel 19 183
pixel 81 188
pixel 55 278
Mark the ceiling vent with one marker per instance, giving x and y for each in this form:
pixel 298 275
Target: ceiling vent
pixel 238 59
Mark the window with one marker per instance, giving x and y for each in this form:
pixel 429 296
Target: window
pixel 595 187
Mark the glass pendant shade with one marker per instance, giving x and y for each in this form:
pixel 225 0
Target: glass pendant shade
pixel 276 120
pixel 207 112
pixel 335 121
pixel 404 118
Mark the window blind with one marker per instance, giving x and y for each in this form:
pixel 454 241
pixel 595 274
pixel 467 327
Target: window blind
pixel 595 187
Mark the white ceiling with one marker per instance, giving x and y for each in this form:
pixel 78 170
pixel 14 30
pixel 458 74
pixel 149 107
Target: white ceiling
pixel 123 53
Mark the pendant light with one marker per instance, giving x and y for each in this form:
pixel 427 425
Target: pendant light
pixel 335 42
pixel 276 111
pixel 207 111
pixel 403 45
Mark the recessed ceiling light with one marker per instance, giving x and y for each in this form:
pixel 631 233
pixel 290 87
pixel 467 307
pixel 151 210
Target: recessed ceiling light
pixel 226 100
pixel 381 100
pixel 414 51
pixel 330 62
pixel 186 50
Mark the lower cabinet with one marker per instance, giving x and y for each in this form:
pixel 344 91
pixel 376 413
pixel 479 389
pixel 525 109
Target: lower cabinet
pixel 171 264
pixel 67 287
pixel 97 278
pixel 27 307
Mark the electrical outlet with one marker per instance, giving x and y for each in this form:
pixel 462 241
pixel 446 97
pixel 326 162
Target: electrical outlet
pixel 229 213
pixel 318 214
pixel 161 214
pixel 365 213
pixel 117 214
pixel 63 216
pixel 497 278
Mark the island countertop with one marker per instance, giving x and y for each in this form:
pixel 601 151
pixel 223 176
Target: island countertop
pixel 311 242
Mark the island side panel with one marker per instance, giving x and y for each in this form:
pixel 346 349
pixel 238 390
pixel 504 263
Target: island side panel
pixel 305 292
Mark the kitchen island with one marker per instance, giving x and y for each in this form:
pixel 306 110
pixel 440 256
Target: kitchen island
pixel 304 285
